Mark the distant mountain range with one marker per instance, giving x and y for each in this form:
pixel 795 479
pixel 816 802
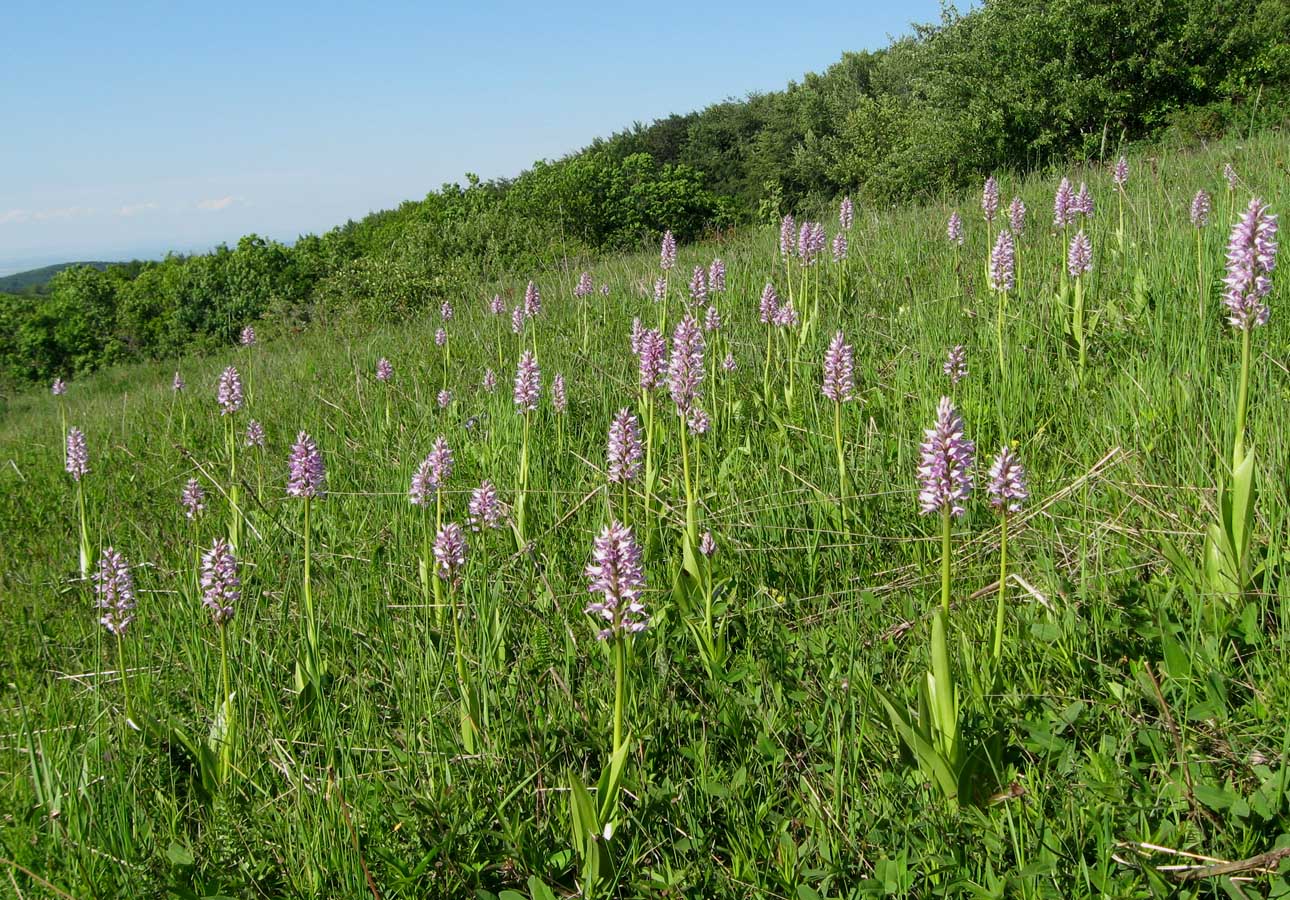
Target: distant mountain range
pixel 33 281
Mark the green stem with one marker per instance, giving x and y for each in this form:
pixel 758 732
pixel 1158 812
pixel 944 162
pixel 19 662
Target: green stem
pixel 84 548
pixel 235 513
pixel 125 675
pixel 945 560
pixel 765 376
pixel 1003 586
pixel 1003 300
pixel 691 514
pixel 524 481
pixel 620 688
pixel 842 462
pixel 1200 275
pixel 226 750
pixel 1077 327
pixel 1242 398
pixel 309 598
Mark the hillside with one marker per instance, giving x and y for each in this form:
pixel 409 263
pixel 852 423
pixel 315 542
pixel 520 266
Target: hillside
pixel 507 619
pixel 34 281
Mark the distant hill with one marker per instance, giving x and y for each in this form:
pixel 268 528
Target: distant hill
pixel 34 280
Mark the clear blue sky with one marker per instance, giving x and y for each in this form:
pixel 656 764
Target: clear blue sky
pixel 135 128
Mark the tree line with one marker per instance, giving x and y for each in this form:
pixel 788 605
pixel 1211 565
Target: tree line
pixel 1013 84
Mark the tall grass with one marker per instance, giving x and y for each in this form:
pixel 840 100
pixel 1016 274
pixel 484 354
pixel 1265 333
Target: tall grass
pixel 1130 709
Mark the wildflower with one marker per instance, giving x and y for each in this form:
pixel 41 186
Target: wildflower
pixel 221 588
pixel 78 456
pixel 634 339
pixel 652 358
pixel 1080 257
pixel 1120 175
pixel 846 212
pixel 584 286
pixel 712 319
pixel 787 237
pixel 604 290
pixel 1007 488
pixel 685 367
pixel 384 371
pixel 1083 201
pixel 660 289
pixel 308 477
pixel 990 199
pixel 248 336
pixel 945 470
pixel 667 253
pixel 1230 174
pixel 422 488
pixel 839 246
pixel 559 400
pixel 229 394
pixel 717 277
pixel 254 434
pixel 490 380
pixel 193 499
pixel 954 229
pixel 697 421
pixel 59 387
pixel 615 574
pixel 446 311
pixel 485 511
pixel 444 398
pixel 839 378
pixel 786 316
pixel 496 306
pixel 956 364
pixel 1251 257
pixel 440 337
pixel 528 383
pixel 449 551
pixel 624 451
pixel 1200 206
pixel 699 285
pixel 708 545
pixel 178 384
pixel 532 301
pixel 769 304
pixel 114 588
pixel 1017 216
pixel 728 364
pixel 810 242
pixel 1064 208
pixel 517 319
pixel 1002 263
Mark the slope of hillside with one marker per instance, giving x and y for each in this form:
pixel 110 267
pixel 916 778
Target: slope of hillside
pixel 373 709
pixel 35 281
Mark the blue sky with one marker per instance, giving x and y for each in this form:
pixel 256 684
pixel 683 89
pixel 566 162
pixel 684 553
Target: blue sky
pixel 136 128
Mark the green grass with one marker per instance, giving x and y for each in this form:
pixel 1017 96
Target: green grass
pixel 1133 707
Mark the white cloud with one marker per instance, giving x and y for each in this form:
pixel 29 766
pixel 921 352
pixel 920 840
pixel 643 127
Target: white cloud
pixel 14 215
pixel 66 212
pixel 216 204
pixel 133 209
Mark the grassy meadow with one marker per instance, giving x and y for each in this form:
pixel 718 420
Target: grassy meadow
pixel 380 731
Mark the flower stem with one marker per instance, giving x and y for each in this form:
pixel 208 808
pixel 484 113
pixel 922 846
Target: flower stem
pixel 945 560
pixel 1003 587
pixel 620 688
pixel 85 531
pixel 842 462
pixel 125 675
pixel 1242 398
